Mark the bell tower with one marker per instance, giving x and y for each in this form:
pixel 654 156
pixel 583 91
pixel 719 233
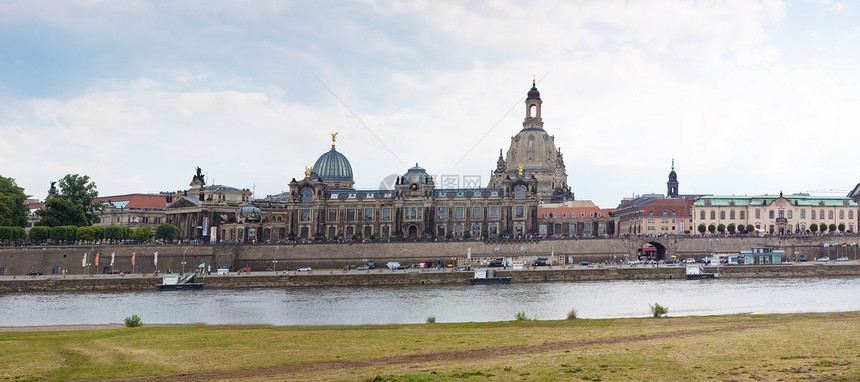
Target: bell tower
pixel 533 102
pixel 672 184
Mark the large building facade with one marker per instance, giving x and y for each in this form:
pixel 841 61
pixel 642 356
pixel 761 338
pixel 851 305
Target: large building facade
pixel 324 204
pixel 777 214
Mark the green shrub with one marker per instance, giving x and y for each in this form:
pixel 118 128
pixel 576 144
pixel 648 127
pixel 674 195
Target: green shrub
pixel 572 314
pixel 521 316
pixel 133 321
pixel 431 320
pixel 658 310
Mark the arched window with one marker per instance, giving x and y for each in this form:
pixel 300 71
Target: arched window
pixel 307 196
pixel 520 193
pixel 713 215
pixel 532 111
pixel 722 214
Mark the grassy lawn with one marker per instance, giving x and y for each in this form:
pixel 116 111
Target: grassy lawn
pixel 814 346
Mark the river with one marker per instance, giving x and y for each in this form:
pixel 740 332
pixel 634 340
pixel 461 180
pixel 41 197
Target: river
pixel 447 303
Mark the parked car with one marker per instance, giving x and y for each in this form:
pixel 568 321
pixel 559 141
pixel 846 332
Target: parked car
pixel 843 258
pixel 363 268
pixel 464 267
pixel 115 272
pixel 671 261
pixel 34 273
pixel 803 259
pixel 823 259
pixel 402 267
pixel 634 262
pixel 585 264
pixel 246 269
pixel 540 262
pixel 689 260
pixel 304 269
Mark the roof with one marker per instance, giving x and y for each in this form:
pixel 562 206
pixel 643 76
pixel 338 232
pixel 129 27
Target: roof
pixel 135 201
pixel 800 200
pixel 333 166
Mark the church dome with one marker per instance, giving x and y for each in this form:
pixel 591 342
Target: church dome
pixel 333 166
pixel 416 175
pixel 248 210
pixel 533 93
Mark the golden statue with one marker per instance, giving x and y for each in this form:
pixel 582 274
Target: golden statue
pixel 333 138
pixel 520 169
pixel 307 172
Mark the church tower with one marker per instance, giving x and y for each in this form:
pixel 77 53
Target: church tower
pixel 672 184
pixel 533 150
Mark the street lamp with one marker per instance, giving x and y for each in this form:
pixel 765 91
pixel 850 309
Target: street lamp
pixel 275 266
pixel 183 259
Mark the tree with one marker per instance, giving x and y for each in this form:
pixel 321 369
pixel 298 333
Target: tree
pixel 832 227
pixel 11 233
pixel 87 233
pixel 750 228
pixel 64 233
pixel 59 212
pixel 721 227
pixel 40 233
pixel 702 228
pixel 742 229
pixel 712 228
pixel 117 233
pixel 731 227
pixel 13 211
pixel 166 231
pixel 841 227
pixel 80 191
pixel 142 233
pixel 813 228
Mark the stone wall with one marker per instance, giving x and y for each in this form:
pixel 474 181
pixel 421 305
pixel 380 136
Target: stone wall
pixel 18 261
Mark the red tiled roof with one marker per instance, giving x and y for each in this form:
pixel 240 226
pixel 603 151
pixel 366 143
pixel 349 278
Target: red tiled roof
pixel 137 201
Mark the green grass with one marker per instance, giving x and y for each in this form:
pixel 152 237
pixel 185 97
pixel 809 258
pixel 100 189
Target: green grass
pixel 770 347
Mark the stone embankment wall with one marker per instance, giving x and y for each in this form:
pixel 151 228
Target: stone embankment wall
pixel 18 261
pixel 381 277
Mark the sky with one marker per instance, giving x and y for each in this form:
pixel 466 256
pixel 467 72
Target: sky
pixel 748 97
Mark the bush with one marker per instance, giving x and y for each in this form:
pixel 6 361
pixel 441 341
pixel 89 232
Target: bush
pixel 572 314
pixel 431 320
pixel 133 321
pixel 166 231
pixel 750 228
pixel 64 233
pixel 40 233
pixel 832 227
pixel 142 233
pixel 658 310
pixel 521 316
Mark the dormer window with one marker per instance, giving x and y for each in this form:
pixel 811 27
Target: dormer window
pixel 333 196
pixel 443 194
pixel 352 196
pixel 707 202
pixel 369 195
pixel 494 194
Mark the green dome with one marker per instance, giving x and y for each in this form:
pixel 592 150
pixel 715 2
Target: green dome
pixel 333 166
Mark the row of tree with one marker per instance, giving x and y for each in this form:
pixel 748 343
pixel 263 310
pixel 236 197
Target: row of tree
pixel 740 228
pixel 71 233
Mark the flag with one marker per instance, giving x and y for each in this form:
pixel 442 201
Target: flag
pixel 469 253
pixel 111 258
pixel 132 261
pixel 84 261
pixel 202 265
pixel 155 258
pixel 844 244
pixel 826 244
pixel 97 260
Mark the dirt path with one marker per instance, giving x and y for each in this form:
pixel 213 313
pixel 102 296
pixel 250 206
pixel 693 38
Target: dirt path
pixel 460 355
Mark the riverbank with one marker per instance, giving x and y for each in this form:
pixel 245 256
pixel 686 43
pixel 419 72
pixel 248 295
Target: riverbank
pixel 812 346
pixel 383 277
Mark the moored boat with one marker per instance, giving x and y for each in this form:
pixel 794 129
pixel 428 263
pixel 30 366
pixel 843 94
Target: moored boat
pixel 696 272
pixel 173 282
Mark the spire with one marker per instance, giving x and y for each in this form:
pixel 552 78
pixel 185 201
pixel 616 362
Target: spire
pixel 333 138
pixel 673 164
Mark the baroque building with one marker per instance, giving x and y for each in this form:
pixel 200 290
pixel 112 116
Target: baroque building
pixel 533 150
pixel 778 214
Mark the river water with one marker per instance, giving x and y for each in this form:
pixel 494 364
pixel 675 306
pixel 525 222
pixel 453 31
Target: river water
pixel 448 303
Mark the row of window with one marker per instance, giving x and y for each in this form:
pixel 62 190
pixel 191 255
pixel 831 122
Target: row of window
pixel 573 215
pixel 413 213
pixel 780 213
pixel 587 229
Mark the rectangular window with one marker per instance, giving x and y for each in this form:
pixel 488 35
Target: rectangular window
pixel 803 213
pixel 458 230
pixel 743 214
pixel 813 214
pixel 790 213
pixel 757 213
pixel 386 214
pixel 306 215
pixel 332 215
pixel 722 215
pixel 571 229
pixel 841 214
pixel 732 214
pixel 542 229
pixel 519 212
pixel 477 213
pixel 830 214
pixel 442 213
pixel 713 214
pixel 494 229
pixel 476 230
pixel 413 212
pixel 851 214
pixel 440 230
pixel 459 213
pixel 385 231
pixel 770 214
pixel 350 214
pixel 494 212
pixel 368 214
pixel 702 214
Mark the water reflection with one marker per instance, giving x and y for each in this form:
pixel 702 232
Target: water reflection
pixel 448 303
